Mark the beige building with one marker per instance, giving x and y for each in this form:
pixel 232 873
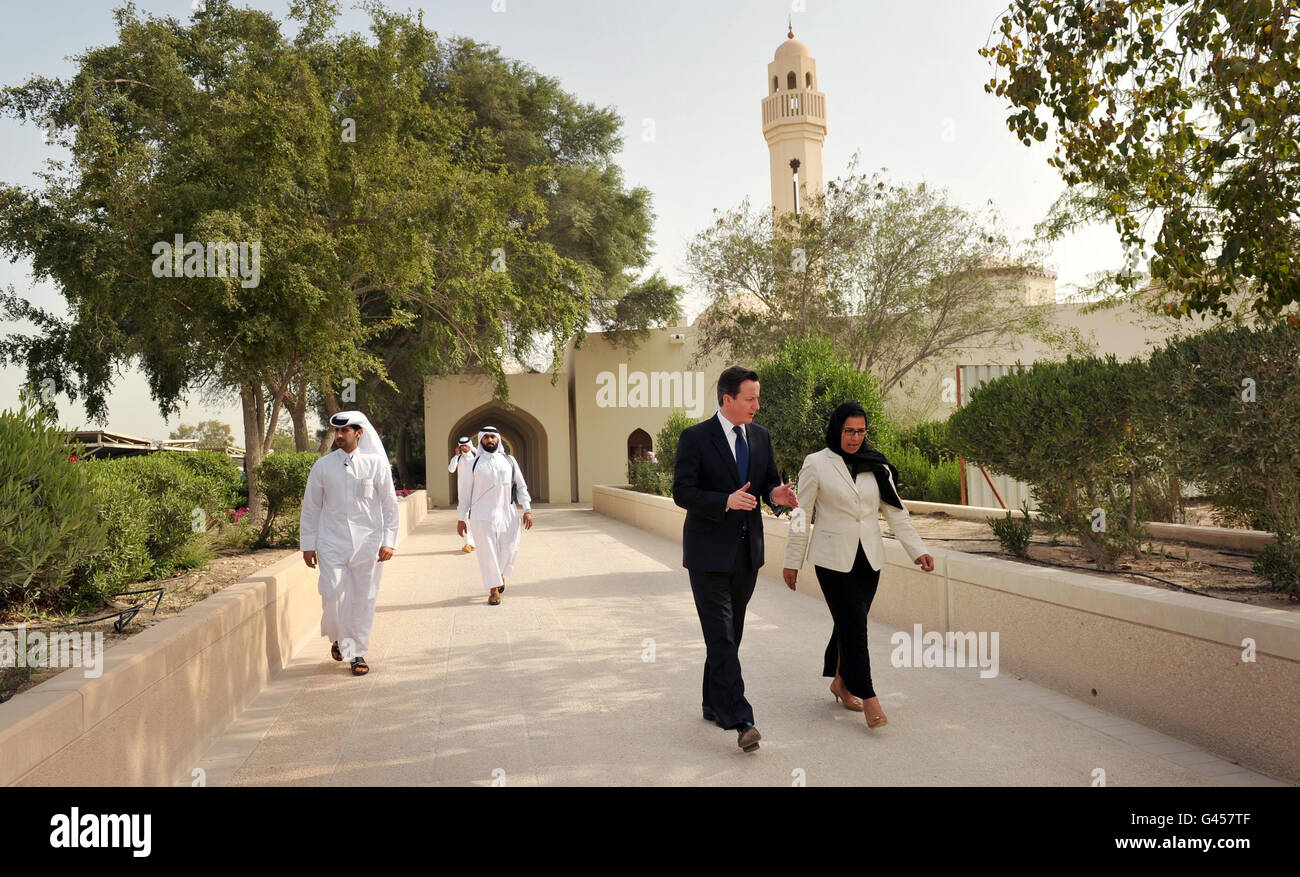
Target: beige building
pixel 607 405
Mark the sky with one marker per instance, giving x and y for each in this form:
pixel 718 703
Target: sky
pixel 903 84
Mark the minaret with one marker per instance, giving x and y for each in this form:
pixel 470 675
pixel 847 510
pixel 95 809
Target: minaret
pixel 794 125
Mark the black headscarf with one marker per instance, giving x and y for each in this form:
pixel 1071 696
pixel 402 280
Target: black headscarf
pixel 867 459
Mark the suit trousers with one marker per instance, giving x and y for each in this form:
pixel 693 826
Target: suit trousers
pixel 720 601
pixel 848 596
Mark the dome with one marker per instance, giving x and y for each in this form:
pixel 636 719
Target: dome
pixel 792 48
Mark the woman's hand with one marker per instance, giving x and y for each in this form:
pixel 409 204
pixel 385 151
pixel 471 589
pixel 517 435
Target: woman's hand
pixel 926 562
pixel 790 576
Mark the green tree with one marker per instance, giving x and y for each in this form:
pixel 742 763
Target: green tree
pixel 208 435
pixel 1229 401
pixel 802 382
pixel 1176 121
pixel 895 275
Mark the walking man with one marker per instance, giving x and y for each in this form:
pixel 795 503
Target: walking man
pixel 464 452
pixel 724 466
pixel 489 488
pixel 348 528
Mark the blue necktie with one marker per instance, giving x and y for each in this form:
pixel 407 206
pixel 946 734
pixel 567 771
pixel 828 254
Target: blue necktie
pixel 742 465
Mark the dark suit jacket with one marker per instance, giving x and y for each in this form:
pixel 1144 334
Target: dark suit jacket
pixel 703 477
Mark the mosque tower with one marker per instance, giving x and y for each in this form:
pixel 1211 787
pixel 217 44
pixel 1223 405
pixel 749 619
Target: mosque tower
pixel 794 125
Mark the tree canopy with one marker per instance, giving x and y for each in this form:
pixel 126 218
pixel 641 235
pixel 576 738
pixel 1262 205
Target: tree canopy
pixel 895 275
pixel 1177 121
pixel 376 217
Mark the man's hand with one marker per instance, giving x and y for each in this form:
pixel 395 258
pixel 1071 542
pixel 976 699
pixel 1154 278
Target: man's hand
pixel 385 553
pixel 742 500
pixel 926 562
pixel 785 495
pixel 460 528
pixel 528 520
pixel 791 576
pixel 309 558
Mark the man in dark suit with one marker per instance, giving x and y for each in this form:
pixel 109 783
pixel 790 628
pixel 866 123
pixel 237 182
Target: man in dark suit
pixel 724 467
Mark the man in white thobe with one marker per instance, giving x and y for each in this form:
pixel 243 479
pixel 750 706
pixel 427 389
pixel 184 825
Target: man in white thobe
pixel 464 452
pixel 487 510
pixel 348 528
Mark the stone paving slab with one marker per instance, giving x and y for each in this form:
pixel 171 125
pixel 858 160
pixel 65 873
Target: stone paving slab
pixel 588 674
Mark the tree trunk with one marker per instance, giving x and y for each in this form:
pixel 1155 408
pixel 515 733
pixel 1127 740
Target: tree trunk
pixel 298 411
pixel 332 407
pixel 250 401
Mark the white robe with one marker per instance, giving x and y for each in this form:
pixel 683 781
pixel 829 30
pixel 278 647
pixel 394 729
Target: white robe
pixel 485 505
pixel 452 468
pixel 348 512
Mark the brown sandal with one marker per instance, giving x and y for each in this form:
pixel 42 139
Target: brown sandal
pixel 335 653
pixel 359 667
pixel 494 598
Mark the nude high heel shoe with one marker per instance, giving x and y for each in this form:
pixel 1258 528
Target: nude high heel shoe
pixel 842 695
pixel 875 718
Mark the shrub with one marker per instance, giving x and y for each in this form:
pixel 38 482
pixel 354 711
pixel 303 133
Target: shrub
pixel 1279 564
pixel 47 511
pixel 284 481
pixel 1067 429
pixel 914 470
pixel 666 455
pixel 1014 534
pixel 945 483
pixel 931 439
pixel 644 476
pixel 177 503
pixel 219 468
pixel 1226 402
pixel 125 558
pixel 802 383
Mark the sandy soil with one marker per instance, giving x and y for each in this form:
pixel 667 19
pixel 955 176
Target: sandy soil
pixel 224 570
pixel 1219 573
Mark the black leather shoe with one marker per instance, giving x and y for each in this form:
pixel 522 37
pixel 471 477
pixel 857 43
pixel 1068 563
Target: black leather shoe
pixel 709 716
pixel 747 738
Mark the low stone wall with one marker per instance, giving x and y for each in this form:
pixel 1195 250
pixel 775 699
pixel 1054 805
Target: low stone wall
pixel 1172 661
pixel 166 694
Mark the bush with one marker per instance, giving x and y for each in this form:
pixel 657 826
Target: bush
pixel 1279 564
pixel 1226 403
pixel 47 510
pixel 1067 429
pixel 931 439
pixel 125 559
pixel 666 455
pixel 177 503
pixel 1014 534
pixel 802 383
pixel 914 470
pixel 219 468
pixel 644 475
pixel 284 481
pixel 945 483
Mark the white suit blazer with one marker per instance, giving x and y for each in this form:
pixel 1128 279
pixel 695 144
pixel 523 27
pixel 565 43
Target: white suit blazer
pixel 846 514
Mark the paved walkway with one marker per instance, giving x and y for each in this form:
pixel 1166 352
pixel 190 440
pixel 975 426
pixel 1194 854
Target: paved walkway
pixel 589 674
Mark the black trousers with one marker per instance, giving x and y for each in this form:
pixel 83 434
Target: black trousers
pixel 720 601
pixel 849 595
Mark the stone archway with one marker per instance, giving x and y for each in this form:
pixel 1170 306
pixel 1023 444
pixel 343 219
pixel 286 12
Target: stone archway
pixel 524 435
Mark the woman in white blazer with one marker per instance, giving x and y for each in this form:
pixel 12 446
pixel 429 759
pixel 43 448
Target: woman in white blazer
pixel 845 486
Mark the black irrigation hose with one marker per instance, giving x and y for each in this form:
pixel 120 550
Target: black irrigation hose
pixel 123 616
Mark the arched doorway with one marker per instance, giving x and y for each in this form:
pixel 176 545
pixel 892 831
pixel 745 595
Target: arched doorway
pixel 639 445
pixel 524 436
